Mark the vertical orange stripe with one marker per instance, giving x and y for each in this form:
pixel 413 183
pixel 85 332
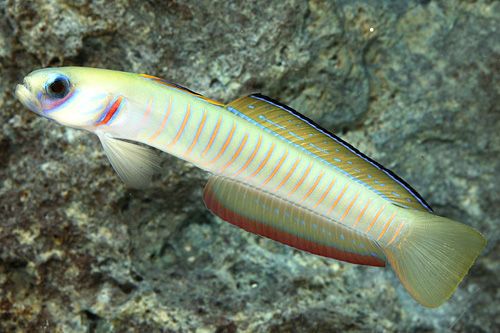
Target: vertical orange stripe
pixel 167 114
pixel 338 199
pixel 350 206
pixel 397 233
pixel 386 226
pixel 375 219
pixel 300 181
pixel 196 137
pixel 214 134
pixel 275 169
pixel 362 212
pixel 288 175
pixel 250 159
pixel 262 164
pixel 326 192
pixel 223 149
pixel 237 153
pixel 179 133
pixel 313 187
pixel 147 112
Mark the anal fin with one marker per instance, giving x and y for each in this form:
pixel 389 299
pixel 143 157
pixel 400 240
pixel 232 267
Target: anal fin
pixel 276 218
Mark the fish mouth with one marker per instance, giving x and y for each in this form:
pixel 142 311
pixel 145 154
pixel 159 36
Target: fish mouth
pixel 25 95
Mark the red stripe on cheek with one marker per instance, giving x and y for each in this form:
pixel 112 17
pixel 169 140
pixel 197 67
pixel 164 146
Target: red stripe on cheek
pixel 111 111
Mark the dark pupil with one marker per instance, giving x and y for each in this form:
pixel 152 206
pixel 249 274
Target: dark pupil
pixel 57 87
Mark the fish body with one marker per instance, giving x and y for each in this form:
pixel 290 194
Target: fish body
pixel 275 172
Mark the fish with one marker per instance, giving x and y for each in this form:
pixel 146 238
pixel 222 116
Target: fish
pixel 274 172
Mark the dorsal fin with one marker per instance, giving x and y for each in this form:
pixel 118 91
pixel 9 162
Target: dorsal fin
pixel 180 88
pixel 287 124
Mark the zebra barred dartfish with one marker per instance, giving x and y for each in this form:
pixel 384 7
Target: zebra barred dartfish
pixel 274 172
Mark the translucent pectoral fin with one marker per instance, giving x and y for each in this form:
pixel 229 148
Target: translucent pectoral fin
pixel 134 164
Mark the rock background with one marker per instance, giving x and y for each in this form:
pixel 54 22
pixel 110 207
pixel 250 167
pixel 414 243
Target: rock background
pixel 414 84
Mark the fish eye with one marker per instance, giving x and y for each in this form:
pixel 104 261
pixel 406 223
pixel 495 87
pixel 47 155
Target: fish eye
pixel 57 87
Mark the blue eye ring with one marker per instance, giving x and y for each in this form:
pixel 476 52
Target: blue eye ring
pixel 58 87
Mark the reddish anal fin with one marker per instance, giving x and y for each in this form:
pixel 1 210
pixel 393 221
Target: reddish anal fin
pixel 276 218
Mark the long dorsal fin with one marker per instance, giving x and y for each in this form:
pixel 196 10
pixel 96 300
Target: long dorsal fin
pixel 289 125
pixel 180 88
pixel 273 217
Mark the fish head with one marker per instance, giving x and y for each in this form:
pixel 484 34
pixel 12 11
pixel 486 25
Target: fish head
pixel 65 95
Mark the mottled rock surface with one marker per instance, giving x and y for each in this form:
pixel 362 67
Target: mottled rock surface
pixel 414 84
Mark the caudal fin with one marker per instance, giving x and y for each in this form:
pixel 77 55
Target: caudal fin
pixel 433 255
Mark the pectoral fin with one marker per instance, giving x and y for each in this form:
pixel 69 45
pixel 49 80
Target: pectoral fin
pixel 134 164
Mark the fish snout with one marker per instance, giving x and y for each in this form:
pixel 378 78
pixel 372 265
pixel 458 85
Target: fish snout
pixel 25 95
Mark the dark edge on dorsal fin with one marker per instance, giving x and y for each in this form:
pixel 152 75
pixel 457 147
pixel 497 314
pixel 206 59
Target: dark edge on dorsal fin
pixel 179 86
pixel 348 146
